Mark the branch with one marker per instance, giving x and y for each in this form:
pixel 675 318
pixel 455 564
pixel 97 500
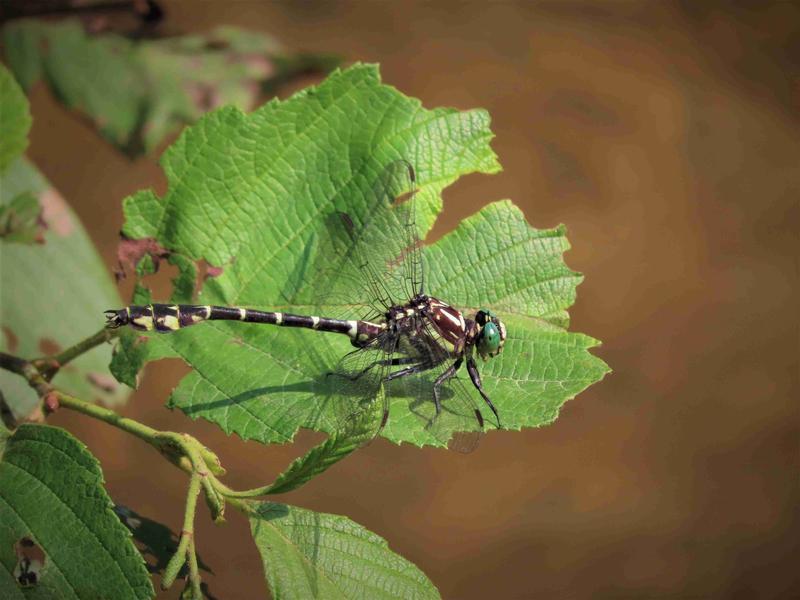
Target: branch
pixel 50 365
pixel 101 337
pixel 27 370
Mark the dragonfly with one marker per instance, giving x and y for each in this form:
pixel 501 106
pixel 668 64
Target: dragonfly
pixel 401 334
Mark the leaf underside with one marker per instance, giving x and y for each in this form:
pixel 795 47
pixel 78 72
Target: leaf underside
pixel 15 119
pixel 316 555
pixel 250 194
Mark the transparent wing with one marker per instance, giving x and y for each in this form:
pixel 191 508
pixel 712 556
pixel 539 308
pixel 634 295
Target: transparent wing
pixel 370 259
pixel 363 259
pixel 356 383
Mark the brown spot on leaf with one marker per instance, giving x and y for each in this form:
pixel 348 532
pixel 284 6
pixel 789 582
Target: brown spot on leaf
pixel 103 381
pixel 259 65
pixel 99 24
pixel 203 96
pixel 251 90
pixel 55 213
pixel 30 560
pixel 206 270
pixel 48 347
pixel 142 339
pixel 215 43
pixel 130 252
pixel 405 196
pixel 404 255
pixel 214 271
pixel 12 341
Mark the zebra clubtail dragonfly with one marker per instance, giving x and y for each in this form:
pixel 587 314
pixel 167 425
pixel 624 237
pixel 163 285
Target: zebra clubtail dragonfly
pixel 403 333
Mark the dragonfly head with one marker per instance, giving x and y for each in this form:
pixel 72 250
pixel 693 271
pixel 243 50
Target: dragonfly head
pixel 116 318
pixel 492 334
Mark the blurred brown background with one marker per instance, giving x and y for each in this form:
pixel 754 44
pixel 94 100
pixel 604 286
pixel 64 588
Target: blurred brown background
pixel 665 135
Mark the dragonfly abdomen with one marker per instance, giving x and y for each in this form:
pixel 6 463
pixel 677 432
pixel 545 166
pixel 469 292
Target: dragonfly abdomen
pixel 165 318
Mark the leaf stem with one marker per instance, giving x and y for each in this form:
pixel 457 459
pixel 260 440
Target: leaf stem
pixel 186 543
pixel 230 493
pixel 40 371
pixel 194 573
pixel 106 415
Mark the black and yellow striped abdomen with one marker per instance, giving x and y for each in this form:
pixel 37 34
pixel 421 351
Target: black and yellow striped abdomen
pixel 165 318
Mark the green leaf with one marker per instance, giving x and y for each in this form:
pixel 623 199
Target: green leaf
pixel 51 492
pixel 137 92
pixel 52 294
pixel 15 119
pixel 184 283
pixel 315 555
pixel 251 194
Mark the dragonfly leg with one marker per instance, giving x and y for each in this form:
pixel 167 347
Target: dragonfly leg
pixel 451 370
pixel 392 362
pixel 472 369
pixel 418 368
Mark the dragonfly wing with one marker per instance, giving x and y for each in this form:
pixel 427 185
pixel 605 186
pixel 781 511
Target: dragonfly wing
pixel 370 254
pixel 356 384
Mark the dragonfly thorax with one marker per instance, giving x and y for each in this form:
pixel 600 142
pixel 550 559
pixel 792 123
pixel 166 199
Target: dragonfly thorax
pixel 484 331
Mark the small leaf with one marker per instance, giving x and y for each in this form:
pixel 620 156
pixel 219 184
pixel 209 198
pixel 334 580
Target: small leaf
pixel 316 555
pixel 15 119
pixel 137 92
pixel 51 492
pixel 331 451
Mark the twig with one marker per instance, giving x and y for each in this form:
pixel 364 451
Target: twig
pixel 50 365
pixel 22 367
pixel 185 549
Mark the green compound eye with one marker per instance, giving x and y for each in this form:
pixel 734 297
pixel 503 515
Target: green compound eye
pixel 484 316
pixel 489 341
